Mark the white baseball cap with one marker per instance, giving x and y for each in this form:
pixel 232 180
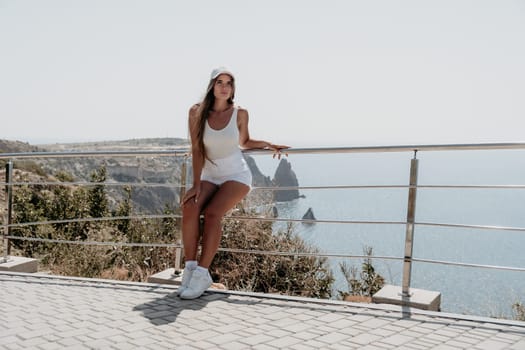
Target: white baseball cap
pixel 221 70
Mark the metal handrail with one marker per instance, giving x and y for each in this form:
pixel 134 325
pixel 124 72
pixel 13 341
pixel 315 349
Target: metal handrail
pixel 411 148
pixel 184 152
pixel 88 154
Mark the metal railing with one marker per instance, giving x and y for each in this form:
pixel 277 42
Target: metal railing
pixel 409 224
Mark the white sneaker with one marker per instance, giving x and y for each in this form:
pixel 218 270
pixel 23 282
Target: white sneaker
pixel 200 281
pixel 186 277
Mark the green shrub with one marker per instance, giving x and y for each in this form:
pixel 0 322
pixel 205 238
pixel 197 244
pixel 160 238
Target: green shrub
pixel 365 283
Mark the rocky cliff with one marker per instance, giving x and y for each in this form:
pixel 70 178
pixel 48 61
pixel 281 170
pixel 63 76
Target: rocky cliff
pixel 285 177
pixel 259 179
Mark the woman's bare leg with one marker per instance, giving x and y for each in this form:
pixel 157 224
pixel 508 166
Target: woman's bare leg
pixel 191 220
pixel 227 196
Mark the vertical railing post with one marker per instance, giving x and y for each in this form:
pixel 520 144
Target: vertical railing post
pixel 409 237
pixel 8 212
pixel 178 250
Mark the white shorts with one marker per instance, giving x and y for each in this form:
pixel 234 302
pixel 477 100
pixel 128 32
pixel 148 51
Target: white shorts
pixel 231 168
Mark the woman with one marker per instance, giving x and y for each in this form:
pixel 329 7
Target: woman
pixel 221 177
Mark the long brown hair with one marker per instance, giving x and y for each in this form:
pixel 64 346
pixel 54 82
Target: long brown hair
pixel 203 112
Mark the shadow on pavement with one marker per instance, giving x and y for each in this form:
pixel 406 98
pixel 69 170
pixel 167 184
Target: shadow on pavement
pixel 165 310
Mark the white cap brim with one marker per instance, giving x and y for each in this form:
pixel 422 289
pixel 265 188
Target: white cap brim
pixel 221 70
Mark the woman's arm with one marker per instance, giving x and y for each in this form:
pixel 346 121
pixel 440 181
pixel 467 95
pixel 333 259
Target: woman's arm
pixel 245 141
pixel 196 154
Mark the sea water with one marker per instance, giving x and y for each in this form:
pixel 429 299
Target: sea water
pixel 486 292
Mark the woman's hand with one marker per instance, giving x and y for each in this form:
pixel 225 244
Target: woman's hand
pixel 277 150
pixel 192 194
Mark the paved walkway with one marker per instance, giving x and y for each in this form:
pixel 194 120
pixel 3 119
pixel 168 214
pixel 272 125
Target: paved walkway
pixel 46 312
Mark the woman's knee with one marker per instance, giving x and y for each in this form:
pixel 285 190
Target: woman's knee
pixel 212 215
pixel 190 212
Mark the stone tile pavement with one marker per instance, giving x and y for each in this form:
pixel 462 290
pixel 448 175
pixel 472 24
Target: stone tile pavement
pixel 50 312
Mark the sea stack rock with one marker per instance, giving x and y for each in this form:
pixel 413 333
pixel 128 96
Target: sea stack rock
pixel 285 177
pixel 309 215
pixel 259 180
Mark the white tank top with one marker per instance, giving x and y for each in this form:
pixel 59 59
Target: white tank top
pixel 224 142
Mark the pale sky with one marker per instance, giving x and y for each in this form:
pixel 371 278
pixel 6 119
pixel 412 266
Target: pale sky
pixel 310 73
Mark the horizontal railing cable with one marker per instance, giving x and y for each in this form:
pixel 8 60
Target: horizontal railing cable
pixel 270 219
pixel 497 187
pixel 342 187
pixel 172 216
pixel 101 219
pixel 86 183
pixel 95 243
pixel 479 227
pixel 319 221
pixel 271 188
pixel 223 249
pixel 268 252
pixel 444 262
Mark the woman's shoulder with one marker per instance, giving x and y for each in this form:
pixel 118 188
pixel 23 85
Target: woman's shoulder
pixel 241 111
pixel 194 108
pixel 193 112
